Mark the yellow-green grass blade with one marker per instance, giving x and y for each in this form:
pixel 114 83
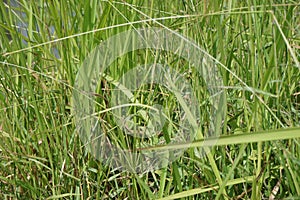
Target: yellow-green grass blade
pixel 207 189
pixel 243 138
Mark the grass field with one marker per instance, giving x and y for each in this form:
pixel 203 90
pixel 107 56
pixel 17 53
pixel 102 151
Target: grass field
pixel 255 45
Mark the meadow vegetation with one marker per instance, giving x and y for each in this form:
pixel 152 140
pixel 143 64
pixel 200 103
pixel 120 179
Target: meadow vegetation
pixel 256 45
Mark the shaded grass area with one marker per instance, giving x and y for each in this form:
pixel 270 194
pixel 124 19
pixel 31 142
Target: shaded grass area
pixel 257 47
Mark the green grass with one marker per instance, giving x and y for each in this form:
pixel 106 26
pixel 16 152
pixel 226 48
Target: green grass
pixel 256 46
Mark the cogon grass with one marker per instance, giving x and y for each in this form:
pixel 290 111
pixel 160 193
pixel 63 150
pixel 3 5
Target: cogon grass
pixel 255 45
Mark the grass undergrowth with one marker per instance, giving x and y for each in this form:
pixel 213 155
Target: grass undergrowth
pixel 256 46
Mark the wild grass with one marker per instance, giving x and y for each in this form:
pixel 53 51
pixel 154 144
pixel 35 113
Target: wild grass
pixel 256 46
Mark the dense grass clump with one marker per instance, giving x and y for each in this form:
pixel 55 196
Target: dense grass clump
pixel 256 47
